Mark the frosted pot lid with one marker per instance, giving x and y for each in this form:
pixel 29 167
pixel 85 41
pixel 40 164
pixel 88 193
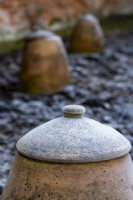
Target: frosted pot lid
pixel 73 138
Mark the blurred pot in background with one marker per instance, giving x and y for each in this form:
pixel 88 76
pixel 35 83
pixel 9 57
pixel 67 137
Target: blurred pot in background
pixel 87 35
pixel 44 67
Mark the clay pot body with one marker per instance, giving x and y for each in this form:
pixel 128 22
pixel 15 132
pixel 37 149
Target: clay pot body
pixel 87 36
pixel 44 66
pixel 34 180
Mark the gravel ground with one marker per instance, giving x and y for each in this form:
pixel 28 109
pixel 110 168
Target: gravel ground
pixel 103 83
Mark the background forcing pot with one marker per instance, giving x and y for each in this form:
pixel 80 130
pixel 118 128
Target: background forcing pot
pixel 70 158
pixel 44 67
pixel 87 35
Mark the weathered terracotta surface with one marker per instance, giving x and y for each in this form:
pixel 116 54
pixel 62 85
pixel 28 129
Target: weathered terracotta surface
pixel 44 66
pixel 87 36
pixel 33 180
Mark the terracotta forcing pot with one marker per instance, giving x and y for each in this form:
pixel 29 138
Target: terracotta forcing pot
pixel 70 158
pixel 87 35
pixel 44 67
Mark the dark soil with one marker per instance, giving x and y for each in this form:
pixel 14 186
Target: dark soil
pixel 103 83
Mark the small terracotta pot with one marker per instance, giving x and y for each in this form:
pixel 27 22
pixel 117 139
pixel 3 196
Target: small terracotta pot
pixel 44 67
pixel 87 36
pixel 71 157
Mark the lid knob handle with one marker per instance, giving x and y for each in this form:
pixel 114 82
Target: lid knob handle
pixel 73 111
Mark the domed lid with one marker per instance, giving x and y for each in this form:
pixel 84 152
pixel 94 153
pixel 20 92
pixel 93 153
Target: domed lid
pixel 73 138
pixel 41 34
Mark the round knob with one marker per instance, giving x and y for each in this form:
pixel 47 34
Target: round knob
pixel 74 111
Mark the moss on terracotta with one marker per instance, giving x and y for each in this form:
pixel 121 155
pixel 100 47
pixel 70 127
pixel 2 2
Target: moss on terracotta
pixel 117 23
pixel 10 45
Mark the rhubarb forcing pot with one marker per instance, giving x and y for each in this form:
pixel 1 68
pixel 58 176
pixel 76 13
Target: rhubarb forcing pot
pixel 71 158
pixel 87 35
pixel 44 67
